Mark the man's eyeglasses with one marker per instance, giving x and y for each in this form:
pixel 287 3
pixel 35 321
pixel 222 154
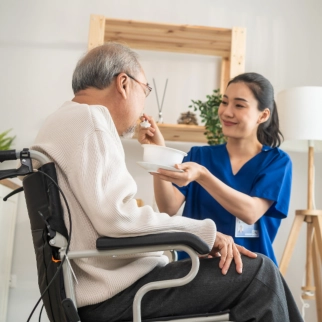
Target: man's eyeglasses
pixel 146 87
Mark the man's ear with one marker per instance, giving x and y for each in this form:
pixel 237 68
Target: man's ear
pixel 264 116
pixel 122 84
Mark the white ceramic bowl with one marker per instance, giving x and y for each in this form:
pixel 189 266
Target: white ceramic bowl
pixel 162 155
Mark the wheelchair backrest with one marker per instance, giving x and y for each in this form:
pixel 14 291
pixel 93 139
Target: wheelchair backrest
pixel 46 218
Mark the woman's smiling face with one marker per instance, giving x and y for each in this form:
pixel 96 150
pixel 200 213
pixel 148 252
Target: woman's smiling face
pixel 238 112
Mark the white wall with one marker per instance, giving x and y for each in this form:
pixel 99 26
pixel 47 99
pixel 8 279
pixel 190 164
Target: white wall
pixel 41 41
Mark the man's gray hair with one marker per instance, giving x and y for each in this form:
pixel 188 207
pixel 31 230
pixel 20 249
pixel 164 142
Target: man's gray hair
pixel 98 67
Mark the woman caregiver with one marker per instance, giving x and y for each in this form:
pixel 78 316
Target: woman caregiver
pixel 243 185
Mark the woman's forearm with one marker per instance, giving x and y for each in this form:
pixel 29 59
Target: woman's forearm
pixel 167 197
pixel 248 209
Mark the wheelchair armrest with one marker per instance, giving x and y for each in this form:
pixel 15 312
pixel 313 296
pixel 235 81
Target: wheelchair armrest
pixel 175 238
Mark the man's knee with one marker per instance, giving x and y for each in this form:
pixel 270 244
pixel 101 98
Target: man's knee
pixel 264 268
pixel 255 266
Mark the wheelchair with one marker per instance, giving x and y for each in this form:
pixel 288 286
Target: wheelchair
pixel 51 243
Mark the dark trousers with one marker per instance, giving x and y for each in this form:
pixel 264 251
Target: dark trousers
pixel 258 294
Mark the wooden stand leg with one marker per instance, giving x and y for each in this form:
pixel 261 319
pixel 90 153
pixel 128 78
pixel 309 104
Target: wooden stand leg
pixel 317 260
pixel 309 288
pixel 295 230
pixel 317 263
pixel 317 222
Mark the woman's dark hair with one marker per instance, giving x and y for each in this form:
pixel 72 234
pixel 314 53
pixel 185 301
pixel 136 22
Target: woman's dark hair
pixel 268 133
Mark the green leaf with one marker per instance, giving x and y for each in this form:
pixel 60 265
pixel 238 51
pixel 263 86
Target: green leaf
pixel 5 140
pixel 209 115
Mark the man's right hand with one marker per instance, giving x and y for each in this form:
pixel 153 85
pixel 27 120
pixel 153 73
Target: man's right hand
pixel 226 248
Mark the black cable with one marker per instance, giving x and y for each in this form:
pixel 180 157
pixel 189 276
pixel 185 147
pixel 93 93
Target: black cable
pixel 67 247
pixel 39 320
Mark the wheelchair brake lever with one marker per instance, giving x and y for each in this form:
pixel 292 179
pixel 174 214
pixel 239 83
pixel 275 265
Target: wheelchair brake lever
pixel 12 193
pixel 13 173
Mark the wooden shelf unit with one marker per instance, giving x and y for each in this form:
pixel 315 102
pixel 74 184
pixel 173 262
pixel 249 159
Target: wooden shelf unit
pixel 229 44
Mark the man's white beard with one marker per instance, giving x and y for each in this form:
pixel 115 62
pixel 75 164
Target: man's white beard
pixel 128 134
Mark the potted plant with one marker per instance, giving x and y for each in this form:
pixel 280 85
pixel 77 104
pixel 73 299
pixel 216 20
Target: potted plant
pixel 209 116
pixel 5 140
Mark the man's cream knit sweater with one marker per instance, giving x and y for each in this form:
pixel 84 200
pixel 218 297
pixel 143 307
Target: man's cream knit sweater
pixel 83 142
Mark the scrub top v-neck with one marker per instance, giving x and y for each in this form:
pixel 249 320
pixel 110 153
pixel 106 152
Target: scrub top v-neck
pixel 267 175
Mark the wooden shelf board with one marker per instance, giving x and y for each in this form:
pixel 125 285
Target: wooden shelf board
pixel 177 48
pixel 210 44
pixel 164 28
pixel 182 133
pixel 166 37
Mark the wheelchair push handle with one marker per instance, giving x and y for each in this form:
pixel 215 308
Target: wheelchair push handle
pixel 8 155
pixel 23 155
pixel 25 160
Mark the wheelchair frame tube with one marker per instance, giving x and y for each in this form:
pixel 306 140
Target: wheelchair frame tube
pixel 167 283
pixel 68 278
pixel 69 283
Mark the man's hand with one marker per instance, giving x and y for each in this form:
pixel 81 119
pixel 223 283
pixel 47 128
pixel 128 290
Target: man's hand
pixel 228 250
pixel 150 135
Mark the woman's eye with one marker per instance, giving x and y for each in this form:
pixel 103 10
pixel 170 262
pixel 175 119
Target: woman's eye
pixel 223 102
pixel 240 105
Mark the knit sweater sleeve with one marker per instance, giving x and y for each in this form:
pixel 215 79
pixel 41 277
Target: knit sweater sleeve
pixel 105 189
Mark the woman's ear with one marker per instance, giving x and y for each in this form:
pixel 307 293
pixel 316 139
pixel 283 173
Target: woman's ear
pixel 264 116
pixel 122 84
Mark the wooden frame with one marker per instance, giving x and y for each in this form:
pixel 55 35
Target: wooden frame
pixel 230 44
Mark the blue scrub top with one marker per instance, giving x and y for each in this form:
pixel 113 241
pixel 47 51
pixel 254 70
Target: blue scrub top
pixel 267 175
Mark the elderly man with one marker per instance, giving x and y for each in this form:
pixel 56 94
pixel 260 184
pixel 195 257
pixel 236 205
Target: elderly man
pixel 83 139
